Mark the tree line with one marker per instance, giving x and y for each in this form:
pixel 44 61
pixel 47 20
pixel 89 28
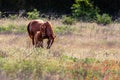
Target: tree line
pixel 58 6
pixel 99 11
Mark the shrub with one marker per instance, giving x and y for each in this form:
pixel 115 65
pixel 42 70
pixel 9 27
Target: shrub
pixel 104 19
pixel 67 20
pixel 33 14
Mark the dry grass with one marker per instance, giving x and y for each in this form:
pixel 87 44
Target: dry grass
pixel 88 40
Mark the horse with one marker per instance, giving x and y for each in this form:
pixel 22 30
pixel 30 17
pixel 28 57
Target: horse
pixel 39 30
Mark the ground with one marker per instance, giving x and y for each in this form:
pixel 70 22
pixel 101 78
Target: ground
pixel 80 41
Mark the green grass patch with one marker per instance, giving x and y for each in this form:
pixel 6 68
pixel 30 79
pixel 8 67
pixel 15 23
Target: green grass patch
pixel 36 67
pixel 13 28
pixel 64 29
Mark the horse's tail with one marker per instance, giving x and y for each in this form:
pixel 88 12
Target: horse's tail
pixel 28 29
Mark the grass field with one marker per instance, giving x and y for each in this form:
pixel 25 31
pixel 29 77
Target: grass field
pixel 82 51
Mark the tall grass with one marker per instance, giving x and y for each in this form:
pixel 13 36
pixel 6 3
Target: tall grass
pixel 82 51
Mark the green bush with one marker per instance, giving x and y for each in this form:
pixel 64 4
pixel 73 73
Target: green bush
pixel 33 14
pixel 104 19
pixel 84 9
pixel 68 20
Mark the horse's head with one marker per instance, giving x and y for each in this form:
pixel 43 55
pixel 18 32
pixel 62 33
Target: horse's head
pixel 50 34
pixel 49 29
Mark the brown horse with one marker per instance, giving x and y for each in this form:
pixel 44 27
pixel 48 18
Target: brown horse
pixel 39 30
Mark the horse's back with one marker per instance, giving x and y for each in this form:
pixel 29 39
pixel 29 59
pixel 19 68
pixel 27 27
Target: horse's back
pixel 40 21
pixel 37 23
pixel 35 26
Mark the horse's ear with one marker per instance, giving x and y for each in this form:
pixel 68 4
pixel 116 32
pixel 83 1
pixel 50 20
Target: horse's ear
pixel 47 23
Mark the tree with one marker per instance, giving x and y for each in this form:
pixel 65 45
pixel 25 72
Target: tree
pixel 84 9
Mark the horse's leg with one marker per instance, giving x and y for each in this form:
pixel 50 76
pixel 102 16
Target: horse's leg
pixel 33 41
pixel 50 42
pixel 41 44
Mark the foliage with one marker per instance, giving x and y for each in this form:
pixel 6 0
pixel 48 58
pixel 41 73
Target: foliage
pixel 111 7
pixel 96 70
pixel 42 5
pixel 84 9
pixel 33 14
pixel 67 20
pixel 104 19
pixel 57 6
pixel 23 68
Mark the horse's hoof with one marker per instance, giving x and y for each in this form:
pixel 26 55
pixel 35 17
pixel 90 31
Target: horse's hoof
pixel 48 47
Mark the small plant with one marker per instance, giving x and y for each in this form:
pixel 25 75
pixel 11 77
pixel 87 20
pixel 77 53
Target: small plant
pixel 33 14
pixel 0 14
pixel 118 17
pixel 2 29
pixel 104 19
pixel 67 20
pixel 13 17
pixel 117 20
